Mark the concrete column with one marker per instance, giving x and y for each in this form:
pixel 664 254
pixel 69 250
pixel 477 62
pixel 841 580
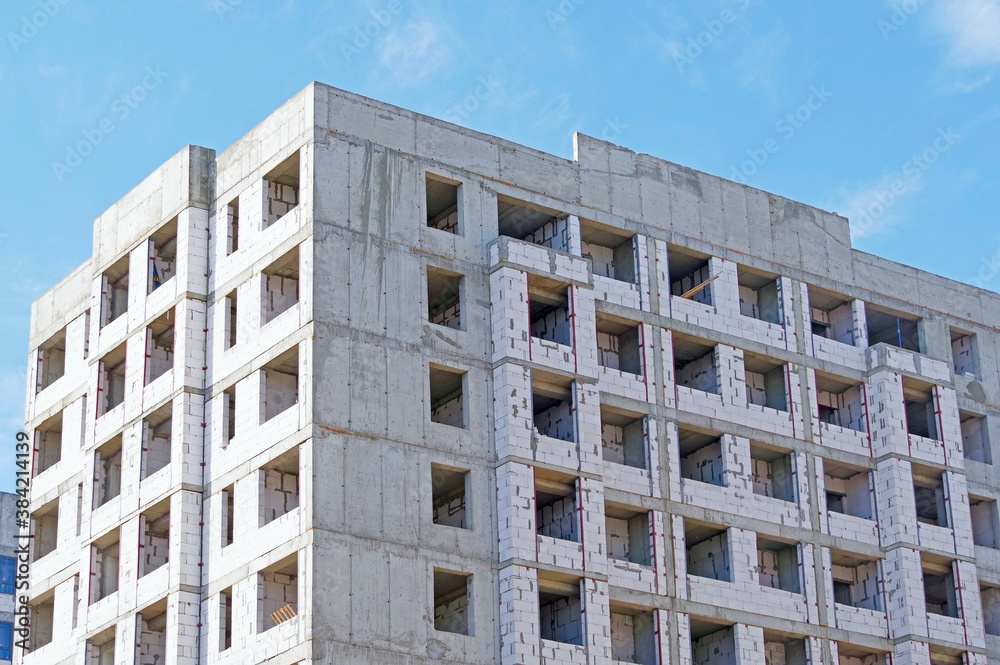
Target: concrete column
pixel 519 617
pixel 590 494
pixel 597 621
pixel 786 300
pixel 743 556
pixel 509 312
pixel 749 642
pixel 516 512
pixel 896 503
pixel 726 289
pixel 732 376
pixel 887 415
pixel 662 277
pixel 904 593
pixel 667 363
pixel 860 318
pixel 512 411
pixel 584 330
pixel 588 424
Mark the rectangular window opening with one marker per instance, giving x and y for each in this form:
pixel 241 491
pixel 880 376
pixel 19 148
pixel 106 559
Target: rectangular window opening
pixel 773 471
pixel 108 471
pixel 560 613
pixel 533 223
pixel 556 507
pixel 965 354
pixel 552 404
pixel 105 566
pixel 623 438
pixel 929 493
pixel 51 361
pixel 707 551
pixel 228 522
pixel 778 565
pixel 985 524
pixel 281 384
pixel 449 492
pixel 784 649
pixel 713 644
pixel 280 285
pixel 695 365
pixel 155 531
pixel 841 403
pixel 628 534
pixel 101 648
pixel 633 636
pixel 233 226
pixel 766 382
pixel 278 593
pixel 114 300
pixel 831 315
pixel 160 346
pixel 282 188
pixel 990 597
pixel 701 455
pixel 153 634
pixel 280 486
pixel 442 199
pixel 975 437
pixel 549 310
pixel 229 414
pixel 447 395
pixel 940 594
pixel 232 319
pixel 848 490
pixel 226 619
pixel 45 526
pixel 452 602
pixel 42 613
pixel 759 295
pixel 690 275
pixel 893 328
pixel 157 432
pixel 612 253
pixel 162 255
pixel 921 413
pixel 619 345
pixel 112 378
pixel 48 443
pixel 444 298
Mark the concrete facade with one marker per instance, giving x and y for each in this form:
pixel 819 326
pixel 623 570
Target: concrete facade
pixel 368 387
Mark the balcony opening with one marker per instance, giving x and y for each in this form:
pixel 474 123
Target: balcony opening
pixel 281 286
pixel 783 649
pixel 965 354
pixel 929 493
pixel 701 455
pixel 108 471
pixel 773 471
pixel 990 596
pixel 560 612
pixel 759 297
pixel 233 226
pixel 162 255
pixel 279 481
pixel 444 298
pixel 532 223
pixel 619 345
pixel 939 586
pixel 848 490
pixel 101 648
pixel 766 382
pixel 105 565
pixel 921 413
pixel 633 636
pixel 552 406
pixel 157 429
pixel 985 524
pixel 153 634
pixel 831 316
pixel 623 438
pixel 449 489
pixel 713 644
pixel 893 328
pixel 112 378
pixel 707 551
pixel 612 253
pixel 278 593
pixel 225 619
pixel 226 504
pixel 114 290
pixel 690 275
pixel 443 196
pixel 281 384
pixel 48 443
pixel 975 438
pixel 229 414
pixel 555 506
pixel 778 564
pixel 841 403
pixel 232 319
pixel 154 527
pixel 51 361
pixel 282 185
pixel 856 581
pixel 628 534
pixel 853 655
pixel 452 602
pixel 42 613
pixel 695 365
pixel 45 526
pixel 160 346
pixel 550 310
pixel 447 393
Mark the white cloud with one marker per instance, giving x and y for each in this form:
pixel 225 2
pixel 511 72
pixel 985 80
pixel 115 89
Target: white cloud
pixel 413 52
pixel 875 207
pixel 972 28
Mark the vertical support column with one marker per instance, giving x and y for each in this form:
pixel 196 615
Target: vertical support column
pixel 128 635
pixel 584 331
pixel 749 643
pixel 588 422
pixel 185 514
pixel 667 362
pixel 673 462
pixel 897 506
pixel 509 313
pixel 684 638
pixel 786 300
pixel 960 516
pixel 182 630
pixel 597 621
pixel 831 610
pixel 519 635
pixel 574 237
pixel 911 653
pixel 726 289
pixel 516 512
pixel 904 592
pixel 814 652
pixel 662 278
pixel 736 463
pixel 652 436
pixel 640 246
pixel 743 556
pixel 732 376
pixel 886 415
pixel 593 539
pixel 678 542
pixel 860 319
pixel 970 604
pixel 800 476
pixel 949 426
pixel 512 411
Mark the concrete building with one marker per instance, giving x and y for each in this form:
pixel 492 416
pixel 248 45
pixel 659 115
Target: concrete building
pixel 8 574
pixel 368 387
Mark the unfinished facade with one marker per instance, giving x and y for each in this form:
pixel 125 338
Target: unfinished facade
pixel 368 387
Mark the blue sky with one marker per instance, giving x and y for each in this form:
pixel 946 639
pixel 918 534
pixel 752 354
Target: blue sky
pixel 888 112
